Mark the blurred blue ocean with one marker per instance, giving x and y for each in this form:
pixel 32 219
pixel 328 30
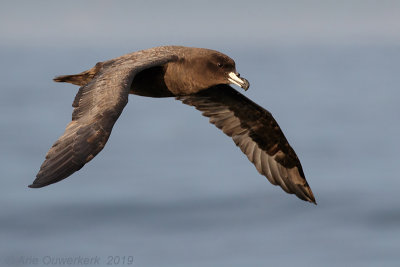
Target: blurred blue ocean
pixel 170 189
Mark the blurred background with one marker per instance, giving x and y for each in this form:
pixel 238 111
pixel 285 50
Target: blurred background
pixel 170 189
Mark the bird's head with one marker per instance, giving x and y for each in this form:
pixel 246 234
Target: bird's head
pixel 217 68
pixel 199 69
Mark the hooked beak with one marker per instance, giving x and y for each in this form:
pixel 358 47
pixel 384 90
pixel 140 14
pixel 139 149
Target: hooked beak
pixel 235 79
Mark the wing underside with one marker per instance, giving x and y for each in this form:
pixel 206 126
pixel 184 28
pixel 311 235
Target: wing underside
pixel 256 133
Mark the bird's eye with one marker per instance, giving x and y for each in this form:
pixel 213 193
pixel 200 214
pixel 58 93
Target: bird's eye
pixel 220 65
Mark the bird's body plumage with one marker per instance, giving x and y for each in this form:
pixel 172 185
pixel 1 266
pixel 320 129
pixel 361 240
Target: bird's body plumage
pixel 196 76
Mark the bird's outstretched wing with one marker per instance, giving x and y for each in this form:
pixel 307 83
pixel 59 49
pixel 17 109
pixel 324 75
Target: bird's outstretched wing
pixel 97 106
pixel 258 135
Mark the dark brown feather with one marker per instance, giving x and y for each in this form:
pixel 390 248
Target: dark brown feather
pixel 97 106
pixel 81 78
pixel 258 135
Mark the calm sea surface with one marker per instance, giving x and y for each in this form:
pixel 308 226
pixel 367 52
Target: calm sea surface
pixel 170 189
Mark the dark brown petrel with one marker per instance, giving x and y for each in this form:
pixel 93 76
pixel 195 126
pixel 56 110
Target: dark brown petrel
pixel 196 76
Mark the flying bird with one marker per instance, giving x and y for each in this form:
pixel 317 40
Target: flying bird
pixel 196 76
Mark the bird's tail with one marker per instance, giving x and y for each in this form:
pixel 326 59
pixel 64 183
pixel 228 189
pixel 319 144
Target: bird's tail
pixel 81 78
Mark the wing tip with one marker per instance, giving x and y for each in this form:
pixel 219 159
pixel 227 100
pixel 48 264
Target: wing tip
pixel 312 200
pixel 35 185
pixel 310 196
